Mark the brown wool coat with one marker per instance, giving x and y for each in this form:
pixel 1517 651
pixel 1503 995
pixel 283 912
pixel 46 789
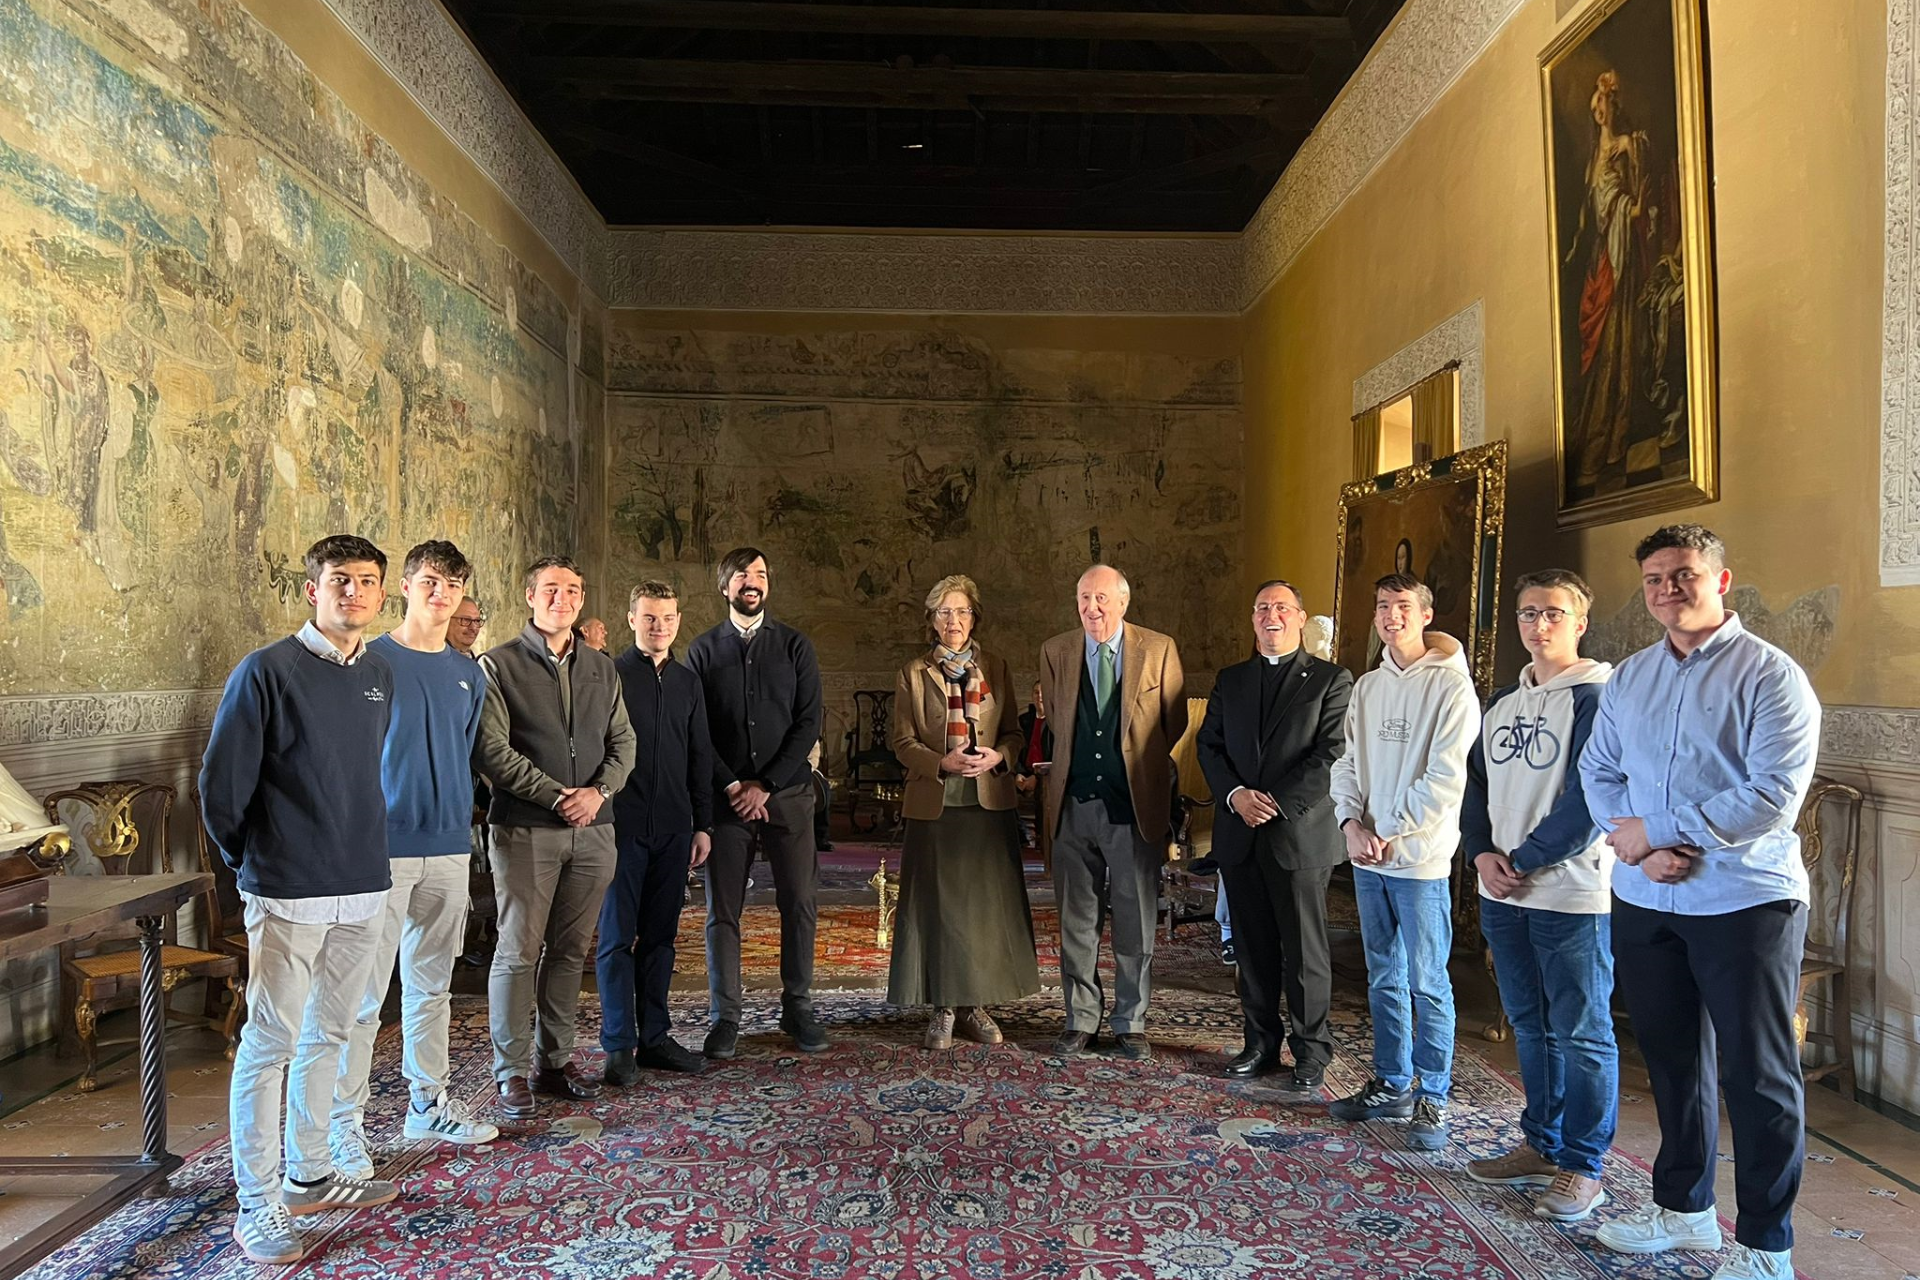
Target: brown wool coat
pixel 919 735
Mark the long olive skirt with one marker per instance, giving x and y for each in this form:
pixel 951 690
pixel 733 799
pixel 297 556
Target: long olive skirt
pixel 963 933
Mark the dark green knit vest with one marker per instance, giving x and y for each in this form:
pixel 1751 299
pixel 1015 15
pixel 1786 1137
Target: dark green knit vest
pixel 1098 770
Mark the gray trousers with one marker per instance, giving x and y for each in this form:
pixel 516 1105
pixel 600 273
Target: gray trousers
pixel 786 842
pixel 1101 866
pixel 548 882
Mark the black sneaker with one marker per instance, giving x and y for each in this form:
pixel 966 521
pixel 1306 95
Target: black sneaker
pixel 620 1071
pixel 1428 1132
pixel 668 1055
pixel 723 1041
pixel 808 1035
pixel 1376 1098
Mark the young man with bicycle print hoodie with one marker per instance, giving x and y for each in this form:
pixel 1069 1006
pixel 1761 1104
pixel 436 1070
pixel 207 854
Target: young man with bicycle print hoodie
pixel 1397 792
pixel 1545 902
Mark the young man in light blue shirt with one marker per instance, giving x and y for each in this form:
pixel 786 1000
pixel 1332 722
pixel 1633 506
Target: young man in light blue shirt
pixel 1701 754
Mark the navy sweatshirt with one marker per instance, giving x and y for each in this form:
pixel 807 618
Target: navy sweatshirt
pixel 426 767
pixel 290 784
pixel 670 791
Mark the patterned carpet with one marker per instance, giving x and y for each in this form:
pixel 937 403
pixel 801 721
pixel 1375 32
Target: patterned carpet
pixel 877 1159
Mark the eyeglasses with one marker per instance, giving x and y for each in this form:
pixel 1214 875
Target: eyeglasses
pixel 1554 617
pixel 1281 609
pixel 953 615
pixel 471 622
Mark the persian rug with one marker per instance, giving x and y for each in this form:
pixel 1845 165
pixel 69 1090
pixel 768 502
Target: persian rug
pixel 878 1159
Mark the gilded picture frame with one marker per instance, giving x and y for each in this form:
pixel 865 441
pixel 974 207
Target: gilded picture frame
pixel 1444 522
pixel 1629 198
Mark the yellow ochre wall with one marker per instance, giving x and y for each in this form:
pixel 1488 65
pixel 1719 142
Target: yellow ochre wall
pixel 1458 212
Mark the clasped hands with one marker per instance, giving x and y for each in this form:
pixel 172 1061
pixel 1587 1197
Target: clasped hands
pixel 1254 807
pixel 749 800
pixel 961 763
pixel 580 805
pixel 1365 847
pixel 1662 866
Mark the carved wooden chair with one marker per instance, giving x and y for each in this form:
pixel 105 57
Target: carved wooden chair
pixel 1827 958
pixel 225 928
pixel 109 977
pixel 1181 894
pixel 873 771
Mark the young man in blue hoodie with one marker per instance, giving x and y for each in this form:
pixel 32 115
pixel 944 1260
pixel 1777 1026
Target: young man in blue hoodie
pixel 1544 869
pixel 290 794
pixel 1397 791
pixel 424 771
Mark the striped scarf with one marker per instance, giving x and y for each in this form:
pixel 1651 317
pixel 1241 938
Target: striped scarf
pixel 967 693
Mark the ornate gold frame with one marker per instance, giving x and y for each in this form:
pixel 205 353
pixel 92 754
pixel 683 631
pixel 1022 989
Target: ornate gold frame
pixel 1702 483
pixel 1485 468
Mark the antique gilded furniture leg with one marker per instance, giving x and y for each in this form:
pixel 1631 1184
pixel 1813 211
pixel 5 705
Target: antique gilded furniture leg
pixel 886 889
pixel 1500 1030
pixel 84 1020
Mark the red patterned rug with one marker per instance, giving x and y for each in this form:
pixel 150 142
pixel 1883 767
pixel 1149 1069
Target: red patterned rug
pixel 877 1159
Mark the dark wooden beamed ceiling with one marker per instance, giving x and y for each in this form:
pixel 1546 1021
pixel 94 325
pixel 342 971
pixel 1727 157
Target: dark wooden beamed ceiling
pixel 1116 115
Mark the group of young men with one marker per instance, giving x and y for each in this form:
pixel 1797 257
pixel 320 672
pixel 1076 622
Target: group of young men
pixel 1633 824
pixel 339 783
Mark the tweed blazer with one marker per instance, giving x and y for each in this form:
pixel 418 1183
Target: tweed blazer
pixel 1153 715
pixel 919 736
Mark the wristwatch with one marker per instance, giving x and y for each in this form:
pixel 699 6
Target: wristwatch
pixel 606 792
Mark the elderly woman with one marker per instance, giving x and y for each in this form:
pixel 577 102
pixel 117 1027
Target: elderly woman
pixel 963 935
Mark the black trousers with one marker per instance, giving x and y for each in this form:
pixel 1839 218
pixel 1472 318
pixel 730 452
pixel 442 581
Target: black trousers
pixel 639 917
pixel 786 842
pixel 1696 983
pixel 1280 942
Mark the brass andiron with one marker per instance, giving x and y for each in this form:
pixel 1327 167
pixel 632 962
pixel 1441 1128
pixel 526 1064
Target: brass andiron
pixel 886 888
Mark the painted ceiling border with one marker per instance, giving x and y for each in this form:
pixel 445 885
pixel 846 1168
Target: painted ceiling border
pixel 1460 338
pixel 1409 69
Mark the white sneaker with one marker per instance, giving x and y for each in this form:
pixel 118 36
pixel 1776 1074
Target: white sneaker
pixel 447 1121
pixel 352 1156
pixel 267 1235
pixel 1756 1264
pixel 1651 1229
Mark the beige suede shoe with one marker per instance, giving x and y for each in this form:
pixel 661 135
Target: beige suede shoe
pixel 939 1030
pixel 977 1026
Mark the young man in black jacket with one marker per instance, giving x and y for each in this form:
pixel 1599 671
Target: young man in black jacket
pixel 762 685
pixel 290 794
pixel 662 823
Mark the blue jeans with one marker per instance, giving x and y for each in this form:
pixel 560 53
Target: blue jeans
pixel 1406 927
pixel 1556 975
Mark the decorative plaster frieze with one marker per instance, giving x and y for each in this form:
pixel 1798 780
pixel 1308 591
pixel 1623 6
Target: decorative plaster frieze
pixel 924 272
pixel 1407 71
pixel 1873 735
pixel 428 55
pixel 70 717
pixel 1900 324
pixel 1460 338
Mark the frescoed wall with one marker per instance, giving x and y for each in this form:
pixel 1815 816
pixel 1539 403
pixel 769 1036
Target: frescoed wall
pixel 232 319
pixel 869 456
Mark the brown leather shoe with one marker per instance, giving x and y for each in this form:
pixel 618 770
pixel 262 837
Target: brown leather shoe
pixel 1071 1044
pixel 566 1082
pixel 516 1100
pixel 976 1025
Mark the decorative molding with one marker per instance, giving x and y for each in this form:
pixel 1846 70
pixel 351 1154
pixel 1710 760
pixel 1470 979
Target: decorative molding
pixel 71 717
pixel 1408 70
pixel 426 53
pixel 1900 323
pixel 1872 735
pixel 923 272
pixel 1461 338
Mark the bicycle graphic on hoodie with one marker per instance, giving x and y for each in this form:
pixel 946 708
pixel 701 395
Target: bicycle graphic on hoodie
pixel 1526 740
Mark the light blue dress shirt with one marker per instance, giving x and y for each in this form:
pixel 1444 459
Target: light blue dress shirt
pixel 1715 750
pixel 1093 653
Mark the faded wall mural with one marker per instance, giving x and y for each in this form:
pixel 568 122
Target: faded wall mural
pixel 231 320
pixel 871 463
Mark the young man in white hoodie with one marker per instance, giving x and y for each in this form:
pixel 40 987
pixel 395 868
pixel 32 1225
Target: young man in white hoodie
pixel 1544 869
pixel 1397 793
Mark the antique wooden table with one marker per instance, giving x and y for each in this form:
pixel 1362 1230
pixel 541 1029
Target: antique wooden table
pixel 78 907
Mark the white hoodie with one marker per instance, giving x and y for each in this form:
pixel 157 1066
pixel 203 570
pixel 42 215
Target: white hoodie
pixel 1404 772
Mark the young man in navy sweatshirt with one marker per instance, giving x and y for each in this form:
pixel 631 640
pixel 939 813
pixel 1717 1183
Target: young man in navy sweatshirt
pixel 290 794
pixel 424 771
pixel 1545 906
pixel 662 825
